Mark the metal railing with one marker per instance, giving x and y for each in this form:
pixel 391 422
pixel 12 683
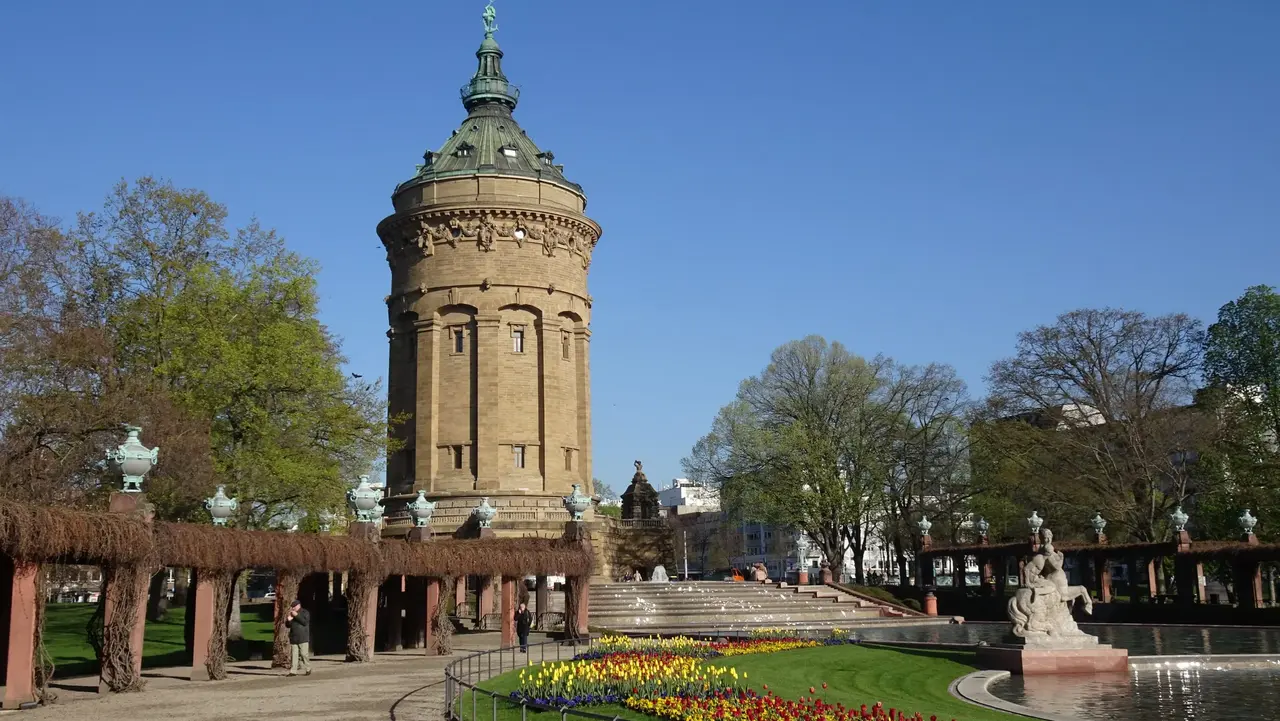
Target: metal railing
pixel 466 701
pixel 463 677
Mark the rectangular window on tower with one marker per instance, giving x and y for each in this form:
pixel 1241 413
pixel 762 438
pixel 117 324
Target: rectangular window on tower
pixel 517 339
pixel 568 459
pixel 458 339
pixel 566 349
pixel 457 458
pixel 517 453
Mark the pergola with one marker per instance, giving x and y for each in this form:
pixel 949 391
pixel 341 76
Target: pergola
pixel 1097 556
pixel 414 574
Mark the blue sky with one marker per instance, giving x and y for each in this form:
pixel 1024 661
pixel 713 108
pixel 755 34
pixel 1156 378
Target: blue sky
pixel 923 179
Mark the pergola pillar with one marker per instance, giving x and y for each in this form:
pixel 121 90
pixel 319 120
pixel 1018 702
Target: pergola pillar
pixel 128 503
pixel 20 679
pixel 508 611
pixel 484 600
pixel 1153 586
pixel 1102 577
pixel 205 603
pixel 958 579
pixel 584 597
pixel 542 596
pixel 433 603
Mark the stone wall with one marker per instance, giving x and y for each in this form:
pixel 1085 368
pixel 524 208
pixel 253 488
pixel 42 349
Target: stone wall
pixel 623 546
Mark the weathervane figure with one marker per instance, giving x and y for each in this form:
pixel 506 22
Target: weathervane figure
pixel 490 19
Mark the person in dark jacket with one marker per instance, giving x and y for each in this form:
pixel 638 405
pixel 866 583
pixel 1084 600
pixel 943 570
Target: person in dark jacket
pixel 299 623
pixel 524 622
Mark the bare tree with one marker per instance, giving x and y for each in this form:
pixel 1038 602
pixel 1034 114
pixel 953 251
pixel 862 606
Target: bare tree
pixel 1102 402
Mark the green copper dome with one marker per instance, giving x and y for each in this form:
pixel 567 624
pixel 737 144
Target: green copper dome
pixel 489 140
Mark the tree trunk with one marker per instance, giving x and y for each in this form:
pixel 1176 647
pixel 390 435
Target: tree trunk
pixel 235 631
pixel 859 552
pixel 157 604
pixel 181 585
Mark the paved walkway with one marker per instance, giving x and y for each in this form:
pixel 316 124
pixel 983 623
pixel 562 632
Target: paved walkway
pixel 401 686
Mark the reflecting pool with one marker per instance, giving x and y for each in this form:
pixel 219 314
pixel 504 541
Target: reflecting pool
pixel 1193 692
pixel 1138 640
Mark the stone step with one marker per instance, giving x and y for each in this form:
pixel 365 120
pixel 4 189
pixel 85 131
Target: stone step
pixel 700 628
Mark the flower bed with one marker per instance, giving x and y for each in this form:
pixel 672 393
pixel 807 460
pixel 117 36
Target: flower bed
pixel 676 679
pixel 747 704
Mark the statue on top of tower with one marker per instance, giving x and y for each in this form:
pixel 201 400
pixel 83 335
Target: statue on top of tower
pixel 490 19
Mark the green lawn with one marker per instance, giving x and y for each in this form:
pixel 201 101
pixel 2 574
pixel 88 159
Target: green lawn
pixel 911 680
pixel 68 644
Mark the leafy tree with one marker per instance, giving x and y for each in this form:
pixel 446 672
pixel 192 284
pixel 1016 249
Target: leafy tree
pixel 1096 410
pixel 154 311
pixel 1242 368
pixel 802 446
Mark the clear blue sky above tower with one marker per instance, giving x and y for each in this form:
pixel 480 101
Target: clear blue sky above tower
pixel 921 179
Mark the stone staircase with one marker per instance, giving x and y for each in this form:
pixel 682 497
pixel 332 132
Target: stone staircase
pixel 690 606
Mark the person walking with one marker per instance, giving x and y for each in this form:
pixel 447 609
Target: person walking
pixel 299 624
pixel 524 621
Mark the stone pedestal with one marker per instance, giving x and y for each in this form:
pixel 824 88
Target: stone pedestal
pixel 930 604
pixel 802 576
pixel 1070 654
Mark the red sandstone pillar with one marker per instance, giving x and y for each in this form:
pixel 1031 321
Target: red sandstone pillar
pixel 459 595
pixel 543 597
pixel 508 611
pixel 802 576
pixel 134 503
pixel 1102 568
pixel 584 595
pixel 203 628
pixel 484 600
pixel 19 685
pixel 1153 587
pixel 930 604
pixel 433 602
pixel 1200 585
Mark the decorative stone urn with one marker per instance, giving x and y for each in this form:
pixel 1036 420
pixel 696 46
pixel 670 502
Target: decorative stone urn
pixel 364 500
pixel 220 507
pixel 983 527
pixel 133 460
pixel 1099 523
pixel 420 510
pixel 1035 522
pixel 576 503
pixel 1247 522
pixel 924 525
pixel 484 513
pixel 1179 519
pixel 325 518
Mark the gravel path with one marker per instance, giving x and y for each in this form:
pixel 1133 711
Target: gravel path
pixel 402 686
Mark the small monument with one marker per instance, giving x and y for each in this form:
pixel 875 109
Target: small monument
pixel 640 500
pixel 1044 638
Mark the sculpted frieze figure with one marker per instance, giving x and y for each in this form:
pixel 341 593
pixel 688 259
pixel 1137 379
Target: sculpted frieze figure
pixel 485 232
pixel 1041 607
